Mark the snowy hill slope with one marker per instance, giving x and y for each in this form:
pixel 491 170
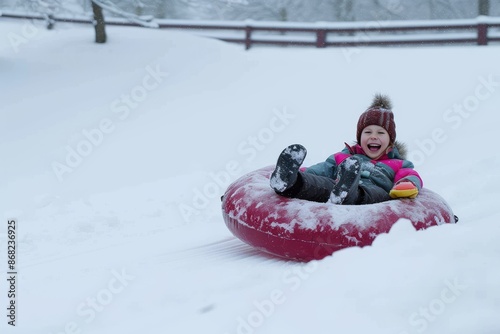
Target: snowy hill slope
pixel 115 157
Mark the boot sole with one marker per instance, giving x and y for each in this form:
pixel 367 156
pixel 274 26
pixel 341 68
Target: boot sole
pixel 287 167
pixel 347 175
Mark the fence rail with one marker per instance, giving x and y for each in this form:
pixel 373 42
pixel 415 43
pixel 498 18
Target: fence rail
pixel 480 31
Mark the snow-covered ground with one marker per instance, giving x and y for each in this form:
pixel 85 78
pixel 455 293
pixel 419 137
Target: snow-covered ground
pixel 114 158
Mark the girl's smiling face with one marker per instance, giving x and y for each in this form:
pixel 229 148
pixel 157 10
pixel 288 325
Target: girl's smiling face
pixel 374 141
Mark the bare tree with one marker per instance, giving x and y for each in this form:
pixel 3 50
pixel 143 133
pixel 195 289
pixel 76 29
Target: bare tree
pixel 99 23
pixel 161 9
pixel 110 6
pixel 484 7
pixel 386 10
pixel 343 10
pixel 49 8
pixel 270 10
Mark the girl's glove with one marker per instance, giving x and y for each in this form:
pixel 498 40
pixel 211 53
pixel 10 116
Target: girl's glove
pixel 404 189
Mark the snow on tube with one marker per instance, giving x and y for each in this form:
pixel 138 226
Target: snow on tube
pixel 304 230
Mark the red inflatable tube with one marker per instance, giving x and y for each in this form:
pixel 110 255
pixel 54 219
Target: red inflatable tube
pixel 304 230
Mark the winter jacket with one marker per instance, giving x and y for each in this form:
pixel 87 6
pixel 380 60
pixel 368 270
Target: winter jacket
pixel 383 172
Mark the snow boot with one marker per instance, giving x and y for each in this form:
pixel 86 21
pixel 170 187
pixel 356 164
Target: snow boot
pixel 346 182
pixel 370 193
pixel 285 174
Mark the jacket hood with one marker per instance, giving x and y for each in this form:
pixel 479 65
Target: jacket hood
pixel 400 149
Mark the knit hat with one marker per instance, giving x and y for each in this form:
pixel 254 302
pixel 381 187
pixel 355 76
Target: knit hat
pixel 378 113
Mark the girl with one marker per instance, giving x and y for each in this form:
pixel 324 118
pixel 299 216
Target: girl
pixel 374 170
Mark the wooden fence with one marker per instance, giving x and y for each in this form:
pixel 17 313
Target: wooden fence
pixel 480 31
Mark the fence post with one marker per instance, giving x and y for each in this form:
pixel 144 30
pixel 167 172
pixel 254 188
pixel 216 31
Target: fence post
pixel 320 38
pixel 248 37
pixel 482 34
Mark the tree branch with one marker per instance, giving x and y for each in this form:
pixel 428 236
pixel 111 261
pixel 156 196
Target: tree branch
pixel 145 21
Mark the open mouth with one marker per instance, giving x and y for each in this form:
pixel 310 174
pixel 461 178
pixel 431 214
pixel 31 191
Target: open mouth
pixel 374 147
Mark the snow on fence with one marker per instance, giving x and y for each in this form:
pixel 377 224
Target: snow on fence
pixel 480 31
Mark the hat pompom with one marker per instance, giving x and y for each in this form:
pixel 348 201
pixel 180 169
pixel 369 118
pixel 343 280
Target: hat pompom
pixel 381 102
